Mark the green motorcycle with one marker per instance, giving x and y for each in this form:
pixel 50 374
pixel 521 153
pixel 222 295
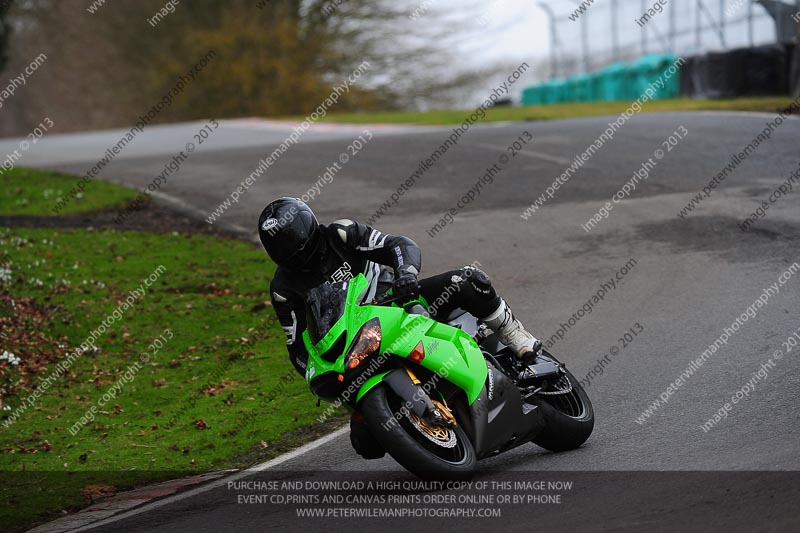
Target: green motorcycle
pixel 436 396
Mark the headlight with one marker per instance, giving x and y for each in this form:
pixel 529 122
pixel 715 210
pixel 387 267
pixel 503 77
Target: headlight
pixel 368 342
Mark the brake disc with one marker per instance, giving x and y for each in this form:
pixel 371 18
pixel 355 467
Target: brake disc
pixel 439 435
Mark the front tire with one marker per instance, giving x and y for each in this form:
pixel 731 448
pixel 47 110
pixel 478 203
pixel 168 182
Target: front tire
pixel 569 418
pixel 409 446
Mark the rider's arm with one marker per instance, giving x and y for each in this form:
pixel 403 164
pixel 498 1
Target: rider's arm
pixel 401 253
pixel 291 313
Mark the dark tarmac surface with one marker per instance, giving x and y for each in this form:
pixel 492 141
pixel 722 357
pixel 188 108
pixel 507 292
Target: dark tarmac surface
pixel 690 279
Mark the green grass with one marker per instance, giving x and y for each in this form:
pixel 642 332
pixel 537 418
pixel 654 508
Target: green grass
pixel 558 111
pixel 211 296
pixel 36 192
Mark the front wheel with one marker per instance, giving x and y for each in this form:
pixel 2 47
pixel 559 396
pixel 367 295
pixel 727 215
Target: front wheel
pixel 429 452
pixel 569 416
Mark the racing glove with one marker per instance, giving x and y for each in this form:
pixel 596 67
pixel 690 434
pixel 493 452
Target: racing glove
pixel 405 284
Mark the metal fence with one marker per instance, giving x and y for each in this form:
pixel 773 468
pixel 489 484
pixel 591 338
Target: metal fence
pixel 586 35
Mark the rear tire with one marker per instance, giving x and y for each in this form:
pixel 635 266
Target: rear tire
pixel 569 418
pixel 409 446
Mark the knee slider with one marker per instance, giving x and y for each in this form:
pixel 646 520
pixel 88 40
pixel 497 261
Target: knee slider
pixel 479 281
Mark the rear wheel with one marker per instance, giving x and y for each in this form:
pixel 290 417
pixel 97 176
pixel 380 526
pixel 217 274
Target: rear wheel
pixel 567 411
pixel 430 452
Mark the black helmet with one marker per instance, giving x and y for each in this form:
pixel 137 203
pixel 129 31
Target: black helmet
pixel 289 232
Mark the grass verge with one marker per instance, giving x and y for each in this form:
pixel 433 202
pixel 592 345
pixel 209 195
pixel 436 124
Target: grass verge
pixel 219 392
pixel 28 191
pixel 558 111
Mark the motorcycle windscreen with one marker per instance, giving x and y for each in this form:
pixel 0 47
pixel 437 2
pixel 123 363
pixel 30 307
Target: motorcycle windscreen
pixel 324 307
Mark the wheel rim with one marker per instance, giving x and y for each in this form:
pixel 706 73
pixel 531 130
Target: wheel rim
pixel 444 442
pixel 443 436
pixel 569 404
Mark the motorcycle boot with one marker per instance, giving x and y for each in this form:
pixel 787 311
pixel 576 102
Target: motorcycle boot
pixel 512 333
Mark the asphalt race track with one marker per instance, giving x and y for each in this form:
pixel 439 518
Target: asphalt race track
pixel 689 280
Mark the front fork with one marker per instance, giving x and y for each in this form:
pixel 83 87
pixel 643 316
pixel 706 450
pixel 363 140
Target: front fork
pixel 409 388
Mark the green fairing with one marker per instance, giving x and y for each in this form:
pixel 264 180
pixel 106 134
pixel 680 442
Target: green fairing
pixel 449 352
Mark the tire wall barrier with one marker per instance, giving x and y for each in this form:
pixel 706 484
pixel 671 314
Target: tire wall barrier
pixel 794 72
pixel 770 70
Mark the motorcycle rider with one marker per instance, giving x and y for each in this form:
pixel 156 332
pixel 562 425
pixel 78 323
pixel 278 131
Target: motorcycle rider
pixel 308 254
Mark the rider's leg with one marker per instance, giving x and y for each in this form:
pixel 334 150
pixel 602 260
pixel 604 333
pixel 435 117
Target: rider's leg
pixel 450 290
pixel 512 333
pixel 471 289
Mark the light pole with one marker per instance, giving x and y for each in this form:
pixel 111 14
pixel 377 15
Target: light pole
pixel 615 30
pixel 644 30
pixel 553 39
pixel 584 41
pixel 672 13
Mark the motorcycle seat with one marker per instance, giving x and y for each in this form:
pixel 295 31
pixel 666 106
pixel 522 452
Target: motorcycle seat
pixel 454 314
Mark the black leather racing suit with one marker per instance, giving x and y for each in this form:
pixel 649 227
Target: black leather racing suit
pixel 349 248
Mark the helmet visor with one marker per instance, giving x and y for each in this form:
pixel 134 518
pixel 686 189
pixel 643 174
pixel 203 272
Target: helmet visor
pixel 293 257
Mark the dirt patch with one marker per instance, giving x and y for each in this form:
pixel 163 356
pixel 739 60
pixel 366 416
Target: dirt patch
pixel 153 216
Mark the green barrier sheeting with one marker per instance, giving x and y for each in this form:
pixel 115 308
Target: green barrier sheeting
pixel 620 81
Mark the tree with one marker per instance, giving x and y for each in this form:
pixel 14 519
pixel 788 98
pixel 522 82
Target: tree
pixel 272 58
pixel 5 30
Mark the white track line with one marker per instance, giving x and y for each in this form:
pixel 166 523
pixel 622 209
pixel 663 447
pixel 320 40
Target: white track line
pixel 147 507
pixel 528 153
